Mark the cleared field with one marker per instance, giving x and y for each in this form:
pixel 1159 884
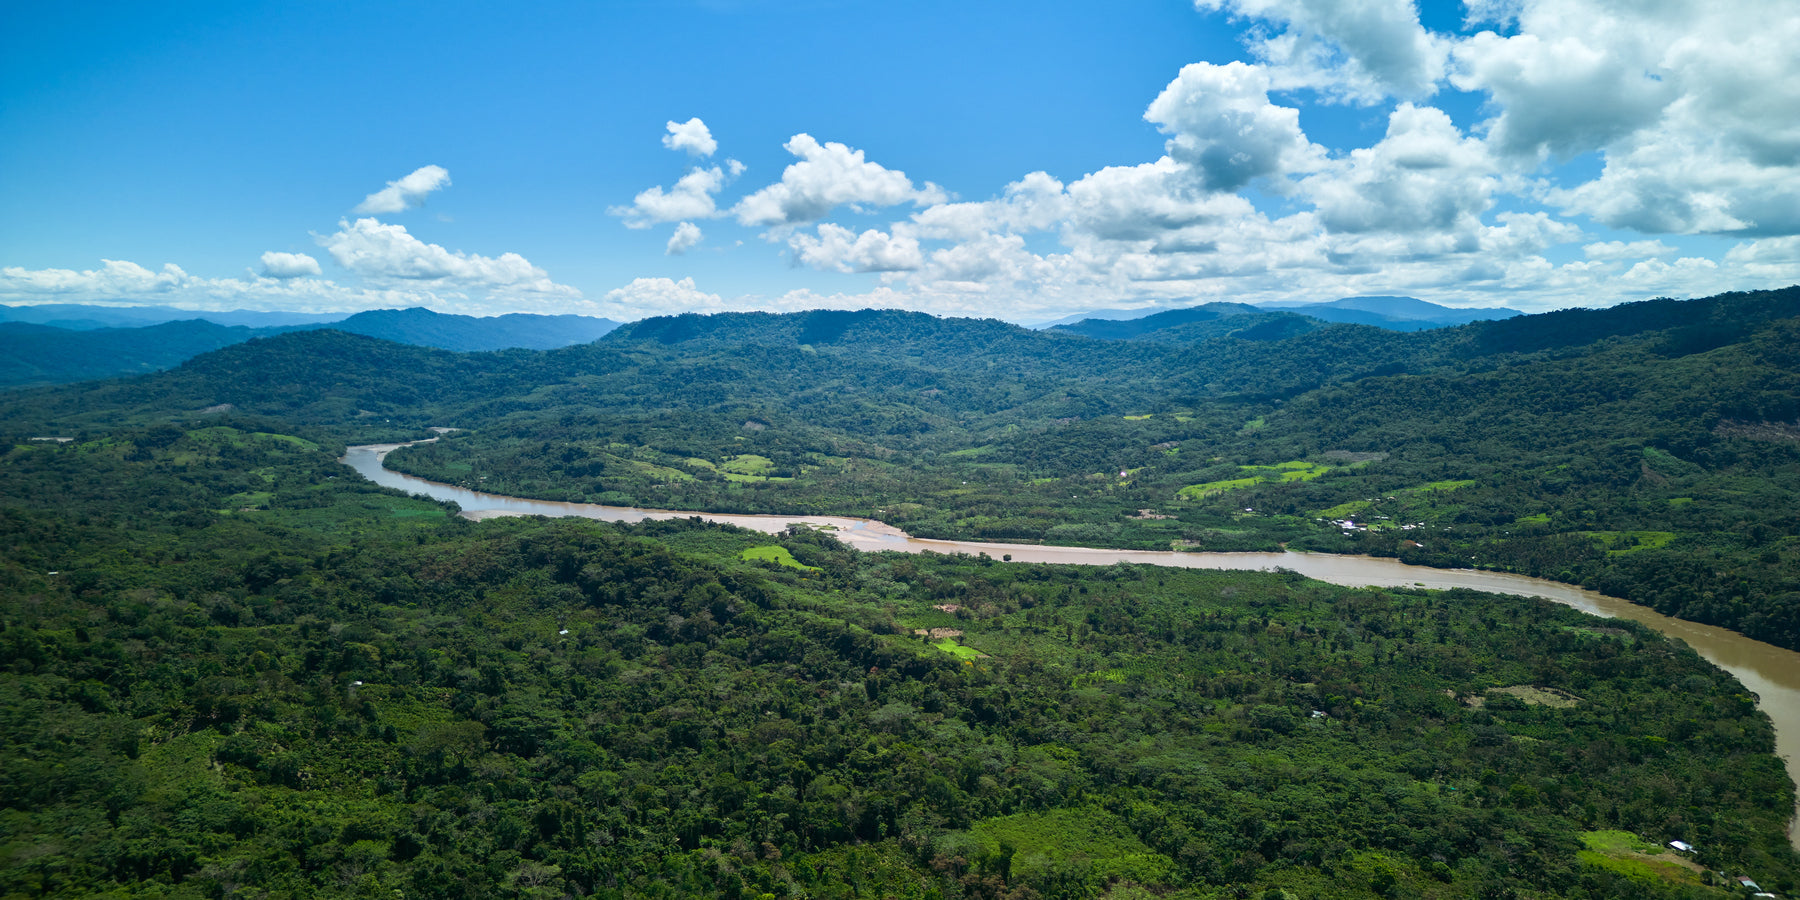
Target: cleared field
pixel 776 554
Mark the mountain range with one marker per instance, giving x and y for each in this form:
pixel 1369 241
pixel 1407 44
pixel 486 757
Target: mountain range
pixel 75 343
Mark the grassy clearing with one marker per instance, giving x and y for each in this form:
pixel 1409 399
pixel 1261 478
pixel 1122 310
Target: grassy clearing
pixel 950 646
pixel 1201 491
pixel 1446 485
pixel 748 467
pixel 1281 473
pixel 1630 856
pixel 1139 418
pixel 1619 543
pixel 777 554
pixel 748 464
pixel 1077 842
pixel 1343 510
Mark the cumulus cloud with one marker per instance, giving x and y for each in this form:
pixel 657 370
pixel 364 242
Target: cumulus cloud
pixel 376 250
pixel 691 136
pixel 1695 108
pixel 690 198
pixel 289 265
pixel 687 235
pixel 1423 175
pixel 406 193
pixel 1224 126
pixel 115 279
pixel 827 176
pixel 1361 52
pixel 1609 251
pixel 839 249
pixel 1033 203
pixel 663 296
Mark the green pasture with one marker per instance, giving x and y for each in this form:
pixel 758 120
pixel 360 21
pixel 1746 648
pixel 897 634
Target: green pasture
pixel 777 554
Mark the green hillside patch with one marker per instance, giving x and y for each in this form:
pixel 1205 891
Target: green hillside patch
pixel 1280 473
pixel 777 554
pixel 1621 542
pixel 1089 845
pixel 950 646
pixel 749 467
pixel 1625 854
pixel 1343 510
pixel 1446 485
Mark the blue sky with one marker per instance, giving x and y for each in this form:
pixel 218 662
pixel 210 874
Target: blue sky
pixel 1012 159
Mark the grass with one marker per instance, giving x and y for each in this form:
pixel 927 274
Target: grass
pixel 777 554
pixel 750 467
pixel 1343 510
pixel 1284 473
pixel 1091 844
pixel 1619 543
pixel 1447 485
pixel 1628 855
pixel 950 646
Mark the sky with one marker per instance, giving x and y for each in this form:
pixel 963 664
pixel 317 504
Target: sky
pixel 1019 160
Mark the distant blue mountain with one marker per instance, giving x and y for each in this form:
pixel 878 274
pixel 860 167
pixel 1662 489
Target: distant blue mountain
pixel 83 347
pixel 86 317
pixel 1391 313
pixel 424 328
pixel 1394 313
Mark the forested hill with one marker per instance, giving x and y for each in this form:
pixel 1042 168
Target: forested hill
pixel 470 333
pixel 232 671
pixel 1650 450
pixel 34 354
pixel 45 354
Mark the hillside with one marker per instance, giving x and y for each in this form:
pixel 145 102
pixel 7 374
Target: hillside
pixel 231 670
pixel 42 354
pixel 1645 450
pixel 425 328
pixel 73 350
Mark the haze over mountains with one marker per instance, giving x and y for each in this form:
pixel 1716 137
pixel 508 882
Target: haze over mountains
pixel 61 343
pixel 68 342
pixel 219 634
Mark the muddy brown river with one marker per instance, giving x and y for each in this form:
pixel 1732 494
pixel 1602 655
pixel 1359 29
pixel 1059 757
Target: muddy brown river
pixel 1770 671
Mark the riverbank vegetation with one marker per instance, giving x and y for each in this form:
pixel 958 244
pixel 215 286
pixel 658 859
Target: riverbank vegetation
pixel 1649 451
pixel 233 669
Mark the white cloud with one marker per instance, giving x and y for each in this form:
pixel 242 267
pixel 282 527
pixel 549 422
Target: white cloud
pixel 1774 260
pixel 406 193
pixel 1033 203
pixel 827 176
pixel 687 235
pixel 691 136
pixel 1224 126
pixel 1145 201
pixel 1422 176
pixel 1695 108
pixel 380 251
pixel 691 198
pixel 839 249
pixel 1612 251
pixel 289 265
pixel 1358 51
pixel 116 279
pixel 662 296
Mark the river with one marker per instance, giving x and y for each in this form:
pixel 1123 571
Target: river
pixel 1770 671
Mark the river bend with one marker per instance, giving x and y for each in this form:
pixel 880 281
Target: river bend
pixel 1773 673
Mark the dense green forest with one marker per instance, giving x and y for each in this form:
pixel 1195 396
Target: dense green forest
pixel 234 669
pixel 1651 450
